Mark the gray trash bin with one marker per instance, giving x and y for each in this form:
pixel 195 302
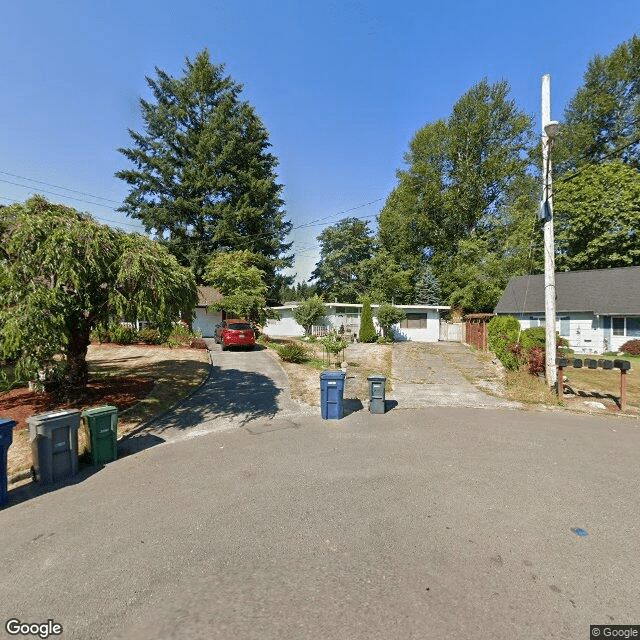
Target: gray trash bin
pixel 6 438
pixel 376 393
pixel 54 445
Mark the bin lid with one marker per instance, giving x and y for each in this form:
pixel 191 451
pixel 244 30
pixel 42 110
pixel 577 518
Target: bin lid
pixel 332 375
pixel 97 411
pixel 376 377
pixel 7 423
pixel 52 415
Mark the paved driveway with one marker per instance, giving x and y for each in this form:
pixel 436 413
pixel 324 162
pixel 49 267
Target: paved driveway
pixel 433 374
pixel 243 386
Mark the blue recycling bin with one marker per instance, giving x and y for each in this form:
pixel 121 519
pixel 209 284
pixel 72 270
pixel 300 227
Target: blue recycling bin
pixel 331 394
pixel 6 438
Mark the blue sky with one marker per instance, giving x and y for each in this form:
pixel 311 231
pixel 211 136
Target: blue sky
pixel 341 86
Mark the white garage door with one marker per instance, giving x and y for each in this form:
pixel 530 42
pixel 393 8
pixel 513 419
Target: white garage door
pixel 205 322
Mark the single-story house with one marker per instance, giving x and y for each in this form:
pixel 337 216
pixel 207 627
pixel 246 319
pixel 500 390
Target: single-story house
pixel 596 310
pixel 205 321
pixel 422 323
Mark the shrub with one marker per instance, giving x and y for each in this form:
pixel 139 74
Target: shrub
pixel 309 312
pixel 533 337
pixel 292 352
pixel 123 335
pixel 503 332
pixel 535 360
pixel 198 343
pixel 367 331
pixel 101 334
pixel 150 336
pixel 334 343
pixel 264 339
pixel 632 347
pixel 388 315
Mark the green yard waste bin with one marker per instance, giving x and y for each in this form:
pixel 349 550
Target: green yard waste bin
pixel 101 425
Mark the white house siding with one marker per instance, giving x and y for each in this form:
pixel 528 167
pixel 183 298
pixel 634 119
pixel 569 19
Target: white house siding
pixel 348 316
pixel 586 333
pixel 285 327
pixel 205 321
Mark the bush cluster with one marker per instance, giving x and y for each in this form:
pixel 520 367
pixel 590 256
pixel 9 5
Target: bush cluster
pixel 529 352
pixel 503 332
pixel 631 347
pixel 124 334
pixel 292 352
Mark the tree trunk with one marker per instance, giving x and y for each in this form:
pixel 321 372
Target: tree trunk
pixel 77 374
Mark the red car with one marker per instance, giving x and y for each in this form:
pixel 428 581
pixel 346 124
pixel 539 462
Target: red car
pixel 235 333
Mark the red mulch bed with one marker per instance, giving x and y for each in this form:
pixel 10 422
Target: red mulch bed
pixel 20 404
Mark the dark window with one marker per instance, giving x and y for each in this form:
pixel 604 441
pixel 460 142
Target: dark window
pixel 618 326
pixel 239 326
pixel 633 327
pixel 415 321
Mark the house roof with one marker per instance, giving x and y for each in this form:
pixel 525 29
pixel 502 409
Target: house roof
pixel 292 305
pixel 599 291
pixel 207 296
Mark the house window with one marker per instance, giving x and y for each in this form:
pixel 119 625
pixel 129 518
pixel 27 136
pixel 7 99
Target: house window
pixel 415 321
pixel 618 326
pixel 534 321
pixel 633 327
pixel 565 326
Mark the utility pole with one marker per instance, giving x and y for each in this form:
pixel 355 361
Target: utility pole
pixel 549 130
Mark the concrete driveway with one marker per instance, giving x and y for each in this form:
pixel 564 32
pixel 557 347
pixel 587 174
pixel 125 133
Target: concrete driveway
pixel 435 374
pixel 243 386
pixel 435 524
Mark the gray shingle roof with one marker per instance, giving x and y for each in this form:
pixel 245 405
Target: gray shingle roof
pixel 600 291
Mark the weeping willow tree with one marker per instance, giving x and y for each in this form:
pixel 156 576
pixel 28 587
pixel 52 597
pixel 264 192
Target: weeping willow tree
pixel 62 273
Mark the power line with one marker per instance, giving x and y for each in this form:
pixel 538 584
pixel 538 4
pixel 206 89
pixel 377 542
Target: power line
pixel 57 186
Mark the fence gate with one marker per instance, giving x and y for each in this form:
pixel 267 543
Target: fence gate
pixel 451 331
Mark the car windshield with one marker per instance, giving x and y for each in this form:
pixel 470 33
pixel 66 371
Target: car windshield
pixel 239 326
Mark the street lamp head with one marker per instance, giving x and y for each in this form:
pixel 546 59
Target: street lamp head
pixel 551 129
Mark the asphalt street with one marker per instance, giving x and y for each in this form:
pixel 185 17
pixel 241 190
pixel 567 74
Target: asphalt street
pixel 437 523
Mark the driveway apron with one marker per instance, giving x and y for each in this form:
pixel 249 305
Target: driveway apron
pixel 427 374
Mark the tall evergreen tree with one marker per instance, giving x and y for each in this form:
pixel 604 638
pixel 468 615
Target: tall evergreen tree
pixel 203 178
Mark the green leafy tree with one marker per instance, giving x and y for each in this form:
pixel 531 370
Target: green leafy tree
pixel 343 248
pixel 386 279
pixel 367 331
pixel 464 183
pixel 334 343
pixel 597 218
pixel 388 315
pixel 310 312
pixel 235 275
pixel 604 115
pixel 62 274
pixel 203 178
